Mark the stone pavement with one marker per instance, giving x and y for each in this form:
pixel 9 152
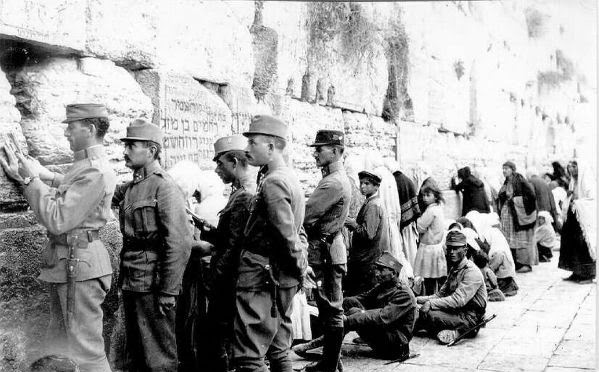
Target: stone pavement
pixel 548 326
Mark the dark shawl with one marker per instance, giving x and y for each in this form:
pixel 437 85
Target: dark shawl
pixel 521 188
pixel 410 211
pixel 474 196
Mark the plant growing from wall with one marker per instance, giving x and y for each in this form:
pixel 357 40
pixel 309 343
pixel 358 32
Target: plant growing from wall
pixel 398 104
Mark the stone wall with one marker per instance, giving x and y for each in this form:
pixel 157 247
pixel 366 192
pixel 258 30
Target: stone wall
pixel 434 85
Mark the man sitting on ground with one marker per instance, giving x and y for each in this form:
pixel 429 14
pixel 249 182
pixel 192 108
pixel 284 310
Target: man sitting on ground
pixel 461 302
pixel 385 316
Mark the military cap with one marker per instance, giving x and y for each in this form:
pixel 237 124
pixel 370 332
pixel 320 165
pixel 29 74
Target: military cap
pixel 267 125
pixel 229 143
pixel 387 260
pixel 328 137
pixel 79 111
pixel 366 174
pixel 142 130
pixel 455 238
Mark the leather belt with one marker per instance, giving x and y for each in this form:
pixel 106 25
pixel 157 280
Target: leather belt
pixel 62 239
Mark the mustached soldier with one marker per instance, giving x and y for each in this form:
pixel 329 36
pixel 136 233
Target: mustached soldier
pixel 156 247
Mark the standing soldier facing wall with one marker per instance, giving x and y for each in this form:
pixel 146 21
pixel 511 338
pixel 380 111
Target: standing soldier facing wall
pixel 73 207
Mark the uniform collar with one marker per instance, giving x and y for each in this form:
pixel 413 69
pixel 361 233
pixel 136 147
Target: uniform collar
pixel 92 152
pixel 333 167
pixel 143 173
pixel 461 265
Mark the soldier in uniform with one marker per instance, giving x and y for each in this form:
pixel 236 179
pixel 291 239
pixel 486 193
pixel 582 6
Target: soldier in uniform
pixel 156 247
pixel 273 257
pixel 385 316
pixel 227 237
pixel 73 207
pixel 326 211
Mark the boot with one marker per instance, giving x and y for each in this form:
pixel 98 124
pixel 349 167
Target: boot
pixel 331 351
pixel 302 349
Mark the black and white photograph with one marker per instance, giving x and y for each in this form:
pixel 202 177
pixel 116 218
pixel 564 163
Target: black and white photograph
pixel 255 186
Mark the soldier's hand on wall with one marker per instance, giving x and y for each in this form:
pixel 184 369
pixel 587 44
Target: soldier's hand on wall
pixel 10 164
pixel 165 303
pixel 351 223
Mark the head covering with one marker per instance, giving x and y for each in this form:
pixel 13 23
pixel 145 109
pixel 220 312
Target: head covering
pixel 455 238
pixel 471 237
pixel 328 137
pixel 229 143
pixel 142 130
pixel 370 175
pixel 187 175
pixel 267 125
pixel 465 172
pixel 387 260
pixel 79 111
pixel 510 164
pixel 546 216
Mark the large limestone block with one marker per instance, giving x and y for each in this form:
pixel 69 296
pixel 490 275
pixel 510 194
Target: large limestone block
pixel 304 121
pixel 288 20
pixel 125 32
pixel 43 90
pixel 191 116
pixel 346 50
pixel 207 39
pixel 10 196
pixel 244 105
pixel 58 23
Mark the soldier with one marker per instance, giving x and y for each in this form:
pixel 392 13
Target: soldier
pixel 385 316
pixel 273 257
pixel 73 207
pixel 461 302
pixel 156 247
pixel 227 237
pixel 326 211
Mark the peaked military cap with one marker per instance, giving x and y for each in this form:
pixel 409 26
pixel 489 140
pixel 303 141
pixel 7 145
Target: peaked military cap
pixel 366 174
pixel 387 260
pixel 79 111
pixel 268 125
pixel 455 238
pixel 328 137
pixel 142 130
pixel 229 143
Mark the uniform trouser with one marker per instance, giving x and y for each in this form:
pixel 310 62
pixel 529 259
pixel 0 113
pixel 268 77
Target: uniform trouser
pixel 221 314
pixel 258 333
pixel 435 321
pixel 84 343
pixel 151 342
pixel 386 343
pixel 329 295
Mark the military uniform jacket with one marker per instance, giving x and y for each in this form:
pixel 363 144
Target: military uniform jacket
pixel 371 237
pixel 76 202
pixel 389 307
pixel 326 211
pixel 274 235
pixel 228 236
pixel 156 234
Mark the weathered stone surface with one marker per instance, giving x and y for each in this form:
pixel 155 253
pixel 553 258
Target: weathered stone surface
pixel 209 40
pixel 44 89
pixel 124 32
pixel 10 196
pixel 191 116
pixel 58 23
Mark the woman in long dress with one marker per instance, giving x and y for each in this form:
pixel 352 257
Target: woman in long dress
pixel 578 235
pixel 519 237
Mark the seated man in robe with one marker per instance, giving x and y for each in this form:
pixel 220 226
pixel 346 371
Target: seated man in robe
pixel 461 302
